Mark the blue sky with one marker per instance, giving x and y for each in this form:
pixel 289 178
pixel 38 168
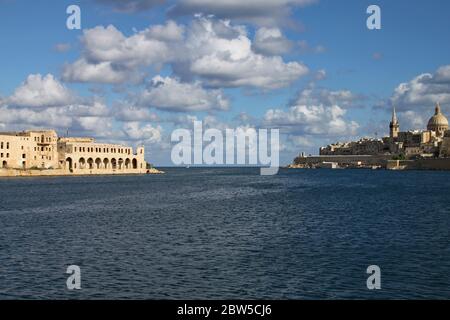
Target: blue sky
pixel 330 78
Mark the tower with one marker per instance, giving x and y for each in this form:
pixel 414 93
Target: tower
pixel 394 125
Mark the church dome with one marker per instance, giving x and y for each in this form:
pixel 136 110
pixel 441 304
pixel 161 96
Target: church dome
pixel 438 122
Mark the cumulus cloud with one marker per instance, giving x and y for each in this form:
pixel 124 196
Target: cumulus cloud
pixel 262 12
pixel 221 54
pixel 312 120
pixel 111 57
pixel 172 95
pixel 63 116
pixel 102 72
pixel 41 91
pixel 43 103
pixel 423 91
pixel 315 114
pixel 270 41
pixel 214 51
pixel 131 5
pixel 129 113
pixel 144 134
pixel 25 117
pixel 323 96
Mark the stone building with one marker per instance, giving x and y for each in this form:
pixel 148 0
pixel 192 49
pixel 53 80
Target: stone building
pixel 432 142
pixel 43 150
pixel 438 123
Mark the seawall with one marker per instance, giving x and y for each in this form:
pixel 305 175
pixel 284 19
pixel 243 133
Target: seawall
pixel 81 172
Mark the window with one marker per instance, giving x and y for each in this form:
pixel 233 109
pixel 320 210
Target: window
pixel 24 156
pixel 1 145
pixel 7 145
pixel 7 155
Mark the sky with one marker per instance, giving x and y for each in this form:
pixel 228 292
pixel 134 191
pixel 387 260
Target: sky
pixel 139 69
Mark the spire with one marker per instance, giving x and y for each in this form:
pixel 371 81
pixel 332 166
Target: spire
pixel 438 109
pixel 394 116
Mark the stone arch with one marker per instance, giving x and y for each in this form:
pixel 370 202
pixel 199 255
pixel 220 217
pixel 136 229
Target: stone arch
pixel 127 163
pixel 106 163
pixel 82 163
pixel 4 164
pixel 90 163
pixel 98 163
pixel 120 163
pixel 135 164
pixel 69 163
pixel 113 163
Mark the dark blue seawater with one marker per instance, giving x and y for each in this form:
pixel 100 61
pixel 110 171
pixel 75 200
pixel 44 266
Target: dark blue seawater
pixel 227 233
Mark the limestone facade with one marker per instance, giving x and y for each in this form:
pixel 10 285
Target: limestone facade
pixel 432 142
pixel 45 151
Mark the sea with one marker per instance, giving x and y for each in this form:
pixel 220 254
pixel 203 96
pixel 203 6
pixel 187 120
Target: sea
pixel 227 233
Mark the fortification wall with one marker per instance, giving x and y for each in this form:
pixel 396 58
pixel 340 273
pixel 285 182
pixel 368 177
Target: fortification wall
pixel 420 164
pixel 345 160
pixel 63 172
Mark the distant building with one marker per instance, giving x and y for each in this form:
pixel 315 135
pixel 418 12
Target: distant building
pixel 433 142
pixel 43 150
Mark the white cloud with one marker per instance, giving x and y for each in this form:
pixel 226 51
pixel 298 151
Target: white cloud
pixel 423 91
pixel 217 52
pixel 262 12
pixel 411 120
pixel 39 91
pixel 323 96
pixel 270 41
pixel 301 141
pixel 172 95
pixel 102 72
pixel 26 117
pixel 45 104
pixel 129 6
pixel 312 120
pixel 222 55
pixel 111 57
pixel 130 113
pixel 145 134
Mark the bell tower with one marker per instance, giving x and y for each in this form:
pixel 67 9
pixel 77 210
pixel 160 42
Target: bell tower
pixel 394 126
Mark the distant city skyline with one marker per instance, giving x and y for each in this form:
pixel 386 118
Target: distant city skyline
pixel 137 70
